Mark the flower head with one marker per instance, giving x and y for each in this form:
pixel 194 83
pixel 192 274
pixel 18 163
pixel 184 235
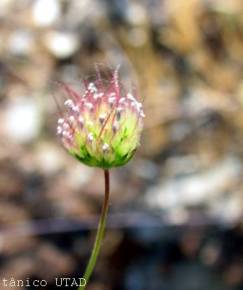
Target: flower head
pixel 101 127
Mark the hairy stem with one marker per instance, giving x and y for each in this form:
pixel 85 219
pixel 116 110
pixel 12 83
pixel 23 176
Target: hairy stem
pixel 100 231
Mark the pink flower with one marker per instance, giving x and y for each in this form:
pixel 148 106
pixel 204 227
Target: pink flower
pixel 101 127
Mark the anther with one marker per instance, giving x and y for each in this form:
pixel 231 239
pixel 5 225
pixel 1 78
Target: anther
pixel 75 109
pixel 81 121
pixel 92 88
pixel 118 113
pixel 136 105
pixel 89 106
pixel 102 118
pixel 66 126
pixel 98 96
pixel 59 130
pixel 115 127
pixel 71 119
pixel 111 100
pixel 122 100
pixel 60 121
pixel 130 97
pixel 90 137
pixel 69 103
pixel 65 133
pixel 105 147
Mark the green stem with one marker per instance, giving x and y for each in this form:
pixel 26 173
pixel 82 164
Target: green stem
pixel 100 231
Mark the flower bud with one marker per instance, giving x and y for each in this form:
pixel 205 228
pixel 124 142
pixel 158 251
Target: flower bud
pixel 101 127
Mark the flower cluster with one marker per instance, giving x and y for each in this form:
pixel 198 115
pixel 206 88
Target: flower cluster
pixel 101 127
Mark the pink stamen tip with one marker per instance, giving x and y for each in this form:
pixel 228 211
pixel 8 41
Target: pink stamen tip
pixel 71 119
pixel 105 147
pixel 60 121
pixel 59 130
pixel 90 137
pixel 111 100
pixel 81 120
pixel 66 126
pixel 89 106
pixel 92 88
pixel 115 127
pixel 69 103
pixel 75 109
pixel 122 100
pixel 102 118
pixel 130 97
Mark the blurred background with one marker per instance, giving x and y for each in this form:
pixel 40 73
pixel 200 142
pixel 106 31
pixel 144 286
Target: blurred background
pixel 176 211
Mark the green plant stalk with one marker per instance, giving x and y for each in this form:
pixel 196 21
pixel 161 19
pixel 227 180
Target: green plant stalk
pixel 100 232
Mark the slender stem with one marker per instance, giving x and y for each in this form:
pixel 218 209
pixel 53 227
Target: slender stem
pixel 100 231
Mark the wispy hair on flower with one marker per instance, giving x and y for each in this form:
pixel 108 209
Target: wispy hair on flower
pixel 102 126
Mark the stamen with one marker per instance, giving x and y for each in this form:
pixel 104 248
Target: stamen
pixel 130 97
pixel 59 130
pixel 98 96
pixel 65 133
pixel 92 88
pixel 75 109
pixel 136 104
pixel 116 77
pixel 81 121
pixel 71 119
pixel 118 113
pixel 102 118
pixel 122 100
pixel 89 106
pixel 105 148
pixel 90 137
pixel 60 121
pixel 66 126
pixel 111 100
pixel 69 137
pixel 115 127
pixel 69 103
